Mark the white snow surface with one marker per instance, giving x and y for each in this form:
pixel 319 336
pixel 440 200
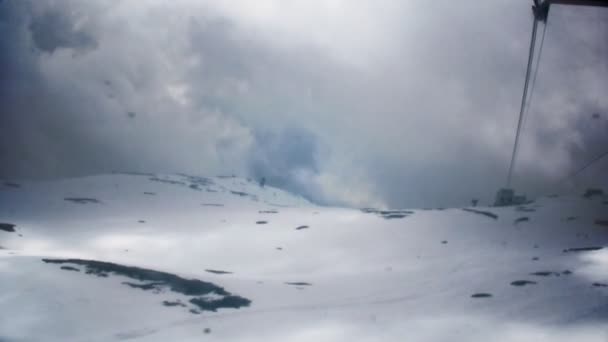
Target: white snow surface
pixel 368 278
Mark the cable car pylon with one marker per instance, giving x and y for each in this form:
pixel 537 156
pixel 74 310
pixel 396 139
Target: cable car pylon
pixel 540 12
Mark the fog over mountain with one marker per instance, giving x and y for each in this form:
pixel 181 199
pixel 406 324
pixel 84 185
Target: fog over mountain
pixel 387 103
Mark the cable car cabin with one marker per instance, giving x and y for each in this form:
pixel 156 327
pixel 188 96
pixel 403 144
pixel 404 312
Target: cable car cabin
pixel 506 197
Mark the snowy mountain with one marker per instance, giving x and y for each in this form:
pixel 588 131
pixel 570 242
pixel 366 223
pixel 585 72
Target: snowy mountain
pixel 149 257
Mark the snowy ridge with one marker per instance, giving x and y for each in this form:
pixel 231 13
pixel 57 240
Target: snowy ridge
pixel 158 257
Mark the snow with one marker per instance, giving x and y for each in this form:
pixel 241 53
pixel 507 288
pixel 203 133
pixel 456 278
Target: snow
pixel 364 277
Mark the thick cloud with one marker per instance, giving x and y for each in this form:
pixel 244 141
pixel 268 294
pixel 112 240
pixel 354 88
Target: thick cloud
pixel 288 159
pixel 366 103
pixel 54 30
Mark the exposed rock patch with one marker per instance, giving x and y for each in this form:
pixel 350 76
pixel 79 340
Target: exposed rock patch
pixel 218 272
pixel 82 200
pixel 523 282
pixel 482 212
pixel 481 295
pixel 206 296
pixel 7 227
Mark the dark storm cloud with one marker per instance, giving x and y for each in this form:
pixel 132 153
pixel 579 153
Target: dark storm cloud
pixel 397 103
pixel 64 113
pixel 41 120
pixel 54 29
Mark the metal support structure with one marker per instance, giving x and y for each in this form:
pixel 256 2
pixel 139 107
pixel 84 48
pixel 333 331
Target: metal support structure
pixel 540 11
pixel 594 3
pixel 541 7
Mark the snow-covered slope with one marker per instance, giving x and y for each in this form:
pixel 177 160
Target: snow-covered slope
pixel 176 257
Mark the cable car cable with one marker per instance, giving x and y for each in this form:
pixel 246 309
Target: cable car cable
pixel 540 51
pixel 523 98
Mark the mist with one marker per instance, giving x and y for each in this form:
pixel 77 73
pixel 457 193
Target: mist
pixel 379 103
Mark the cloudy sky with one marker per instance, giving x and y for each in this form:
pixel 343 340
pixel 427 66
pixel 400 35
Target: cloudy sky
pixel 396 103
